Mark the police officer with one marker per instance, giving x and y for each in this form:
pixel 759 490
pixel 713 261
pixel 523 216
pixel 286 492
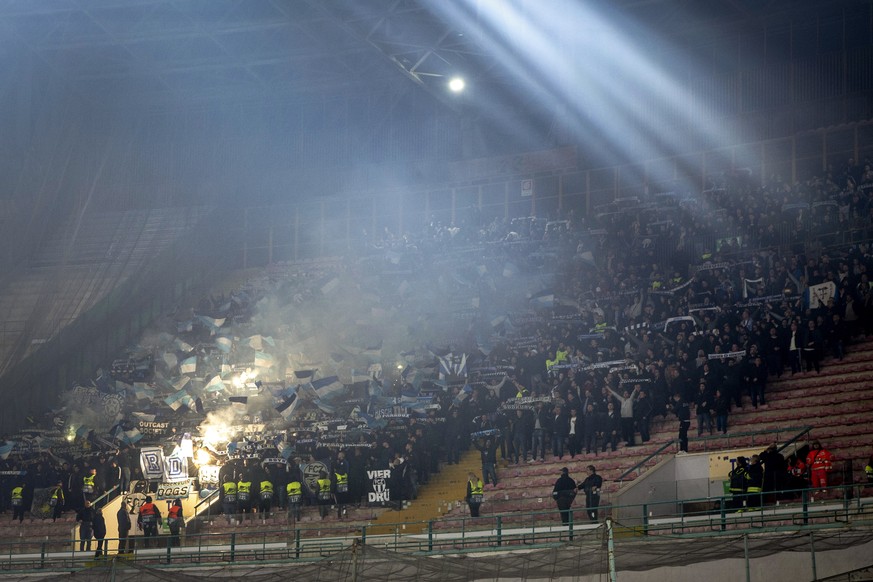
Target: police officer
pixel 323 494
pixel 228 503
pixel 563 493
pixel 18 502
pixel 244 495
pixel 149 519
pixel 738 483
pixel 294 491
pixel 475 491
pixel 266 497
pixel 591 486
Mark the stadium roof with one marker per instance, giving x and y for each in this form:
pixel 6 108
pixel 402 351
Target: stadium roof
pixel 160 53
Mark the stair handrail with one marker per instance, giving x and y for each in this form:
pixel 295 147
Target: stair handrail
pixel 802 430
pixel 660 450
pixel 206 499
pixel 106 497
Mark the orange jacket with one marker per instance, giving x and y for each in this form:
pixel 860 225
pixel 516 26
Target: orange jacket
pixel 819 460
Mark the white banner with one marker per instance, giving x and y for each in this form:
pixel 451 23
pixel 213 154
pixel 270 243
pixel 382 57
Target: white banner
pixel 179 490
pixel 209 474
pixel 151 461
pixel 175 467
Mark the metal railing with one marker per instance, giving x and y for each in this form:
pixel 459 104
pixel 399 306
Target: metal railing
pixel 792 510
pixel 800 432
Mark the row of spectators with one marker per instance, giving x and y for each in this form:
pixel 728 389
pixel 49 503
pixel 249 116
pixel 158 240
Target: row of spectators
pixel 646 322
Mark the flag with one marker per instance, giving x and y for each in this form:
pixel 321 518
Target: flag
pixel 463 394
pixel 325 407
pixel 543 299
pixel 183 346
pixel 451 365
pixel 239 403
pixel 212 323
pixel 188 365
pixel 143 416
pixel 256 342
pixel 178 400
pixel 818 295
pixel 287 407
pixel 142 391
pixel 128 437
pixel 586 257
pixel 224 344
pixel 327 388
pixel 215 385
pixel 264 360
pixel 6 449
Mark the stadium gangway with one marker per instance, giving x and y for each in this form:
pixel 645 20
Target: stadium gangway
pixel 840 506
pixel 724 443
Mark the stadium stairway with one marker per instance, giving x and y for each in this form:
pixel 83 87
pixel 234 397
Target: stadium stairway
pixel 836 403
pixel 444 492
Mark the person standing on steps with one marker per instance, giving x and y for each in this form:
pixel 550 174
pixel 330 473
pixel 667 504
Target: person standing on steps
pixel 18 502
pixel 564 492
pixel 488 452
pixel 124 524
pixel 591 486
pixel 683 413
pixel 100 532
pixel 175 521
pixel 819 462
pixel 475 490
pixel 739 479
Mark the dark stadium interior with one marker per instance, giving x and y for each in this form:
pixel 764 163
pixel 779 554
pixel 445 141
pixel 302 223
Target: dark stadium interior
pixel 407 243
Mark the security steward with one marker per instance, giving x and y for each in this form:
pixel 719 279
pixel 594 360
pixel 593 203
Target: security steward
pixel 475 491
pixel 228 503
pixel 18 503
pixel 175 521
pixel 244 495
pixel 266 497
pixel 148 520
pixel 323 494
pixel 56 501
pixel 89 485
pixel 294 490
pixel 341 492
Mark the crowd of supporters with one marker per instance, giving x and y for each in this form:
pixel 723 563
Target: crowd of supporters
pixel 681 309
